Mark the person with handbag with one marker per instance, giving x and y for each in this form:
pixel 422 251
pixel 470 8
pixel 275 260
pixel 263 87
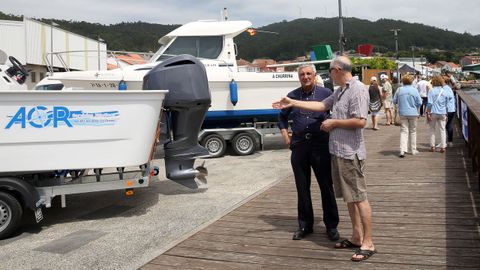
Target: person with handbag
pixel 408 101
pixel 387 92
pixel 451 110
pixel 438 100
pixel 375 101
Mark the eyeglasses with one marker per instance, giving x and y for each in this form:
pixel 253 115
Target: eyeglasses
pixel 333 68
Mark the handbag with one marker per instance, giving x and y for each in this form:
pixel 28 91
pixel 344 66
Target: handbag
pixel 375 106
pixel 397 121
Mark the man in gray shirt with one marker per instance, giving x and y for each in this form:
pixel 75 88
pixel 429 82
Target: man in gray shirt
pixel 349 106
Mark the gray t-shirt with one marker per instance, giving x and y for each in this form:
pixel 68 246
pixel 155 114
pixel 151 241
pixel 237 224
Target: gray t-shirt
pixel 345 103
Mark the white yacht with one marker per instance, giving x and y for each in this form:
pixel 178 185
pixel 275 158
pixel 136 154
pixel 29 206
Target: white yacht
pixel 235 94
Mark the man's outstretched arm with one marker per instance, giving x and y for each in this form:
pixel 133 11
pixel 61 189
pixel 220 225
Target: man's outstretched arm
pixel 306 105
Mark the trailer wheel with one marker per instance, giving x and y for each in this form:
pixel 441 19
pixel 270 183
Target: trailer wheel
pixel 215 145
pixel 243 144
pixel 10 214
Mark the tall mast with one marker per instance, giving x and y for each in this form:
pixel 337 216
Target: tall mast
pixel 341 39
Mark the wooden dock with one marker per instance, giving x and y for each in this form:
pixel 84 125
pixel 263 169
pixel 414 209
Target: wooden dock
pixel 425 216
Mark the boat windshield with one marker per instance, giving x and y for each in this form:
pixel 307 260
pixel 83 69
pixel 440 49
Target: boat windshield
pixel 208 47
pixel 53 86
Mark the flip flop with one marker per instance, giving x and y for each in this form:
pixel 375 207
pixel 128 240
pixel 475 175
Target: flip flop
pixel 364 253
pixel 345 243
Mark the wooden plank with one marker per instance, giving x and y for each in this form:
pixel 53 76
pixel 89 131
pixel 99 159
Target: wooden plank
pixel 379 236
pixel 379 207
pixel 425 216
pixel 178 262
pixel 316 243
pixel 439 238
pixel 378 219
pixel 425 203
pixel 281 262
pixel 327 254
pixel 464 214
pixel 292 222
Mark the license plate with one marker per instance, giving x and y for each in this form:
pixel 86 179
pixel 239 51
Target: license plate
pixel 38 215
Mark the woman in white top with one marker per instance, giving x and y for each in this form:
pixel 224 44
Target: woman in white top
pixel 387 99
pixel 423 87
pixel 438 100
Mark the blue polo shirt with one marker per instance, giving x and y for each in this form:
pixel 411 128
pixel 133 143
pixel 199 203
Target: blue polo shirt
pixel 304 121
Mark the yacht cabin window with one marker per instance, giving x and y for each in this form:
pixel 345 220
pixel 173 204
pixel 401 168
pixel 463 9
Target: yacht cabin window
pixel 208 47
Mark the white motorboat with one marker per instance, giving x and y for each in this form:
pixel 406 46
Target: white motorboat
pixel 54 130
pixel 235 94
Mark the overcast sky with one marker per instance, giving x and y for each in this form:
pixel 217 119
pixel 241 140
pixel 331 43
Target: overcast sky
pixel 459 16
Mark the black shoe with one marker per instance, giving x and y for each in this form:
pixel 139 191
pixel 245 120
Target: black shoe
pixel 333 234
pixel 301 233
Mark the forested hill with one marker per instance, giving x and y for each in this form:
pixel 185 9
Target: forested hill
pixel 294 38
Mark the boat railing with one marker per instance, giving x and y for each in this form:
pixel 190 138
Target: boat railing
pixel 115 55
pixel 469 118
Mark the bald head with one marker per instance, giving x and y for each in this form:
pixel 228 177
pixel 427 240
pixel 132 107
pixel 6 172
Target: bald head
pixel 341 70
pixel 342 63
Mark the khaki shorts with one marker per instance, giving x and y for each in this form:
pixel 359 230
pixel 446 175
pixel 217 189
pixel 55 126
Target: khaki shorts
pixel 349 179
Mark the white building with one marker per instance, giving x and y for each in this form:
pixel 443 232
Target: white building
pixel 419 64
pixel 33 43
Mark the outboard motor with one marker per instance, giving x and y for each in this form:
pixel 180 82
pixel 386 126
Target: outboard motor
pixel 186 105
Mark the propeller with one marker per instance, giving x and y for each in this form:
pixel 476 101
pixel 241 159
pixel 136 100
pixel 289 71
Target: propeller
pixel 201 176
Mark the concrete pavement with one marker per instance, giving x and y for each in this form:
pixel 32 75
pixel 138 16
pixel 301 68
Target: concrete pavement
pixel 109 231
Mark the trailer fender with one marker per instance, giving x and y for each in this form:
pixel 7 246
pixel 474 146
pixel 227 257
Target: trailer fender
pixel 28 194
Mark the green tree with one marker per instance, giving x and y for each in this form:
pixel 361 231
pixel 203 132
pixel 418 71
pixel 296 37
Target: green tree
pixel 375 62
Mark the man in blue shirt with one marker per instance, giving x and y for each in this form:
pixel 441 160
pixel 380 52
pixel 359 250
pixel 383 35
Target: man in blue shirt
pixel 349 106
pixel 309 146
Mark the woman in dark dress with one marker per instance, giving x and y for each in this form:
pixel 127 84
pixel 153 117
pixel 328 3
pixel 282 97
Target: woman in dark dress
pixel 375 101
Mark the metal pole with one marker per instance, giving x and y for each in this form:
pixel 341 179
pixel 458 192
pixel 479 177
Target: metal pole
pixel 421 63
pixel 99 39
pixel 51 47
pixel 340 27
pixel 52 24
pixel 98 51
pixel 225 14
pixel 395 34
pixel 413 60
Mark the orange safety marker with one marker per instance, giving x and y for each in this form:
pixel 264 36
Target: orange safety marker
pixel 129 192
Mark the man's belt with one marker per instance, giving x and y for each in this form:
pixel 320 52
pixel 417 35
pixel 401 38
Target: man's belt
pixel 306 135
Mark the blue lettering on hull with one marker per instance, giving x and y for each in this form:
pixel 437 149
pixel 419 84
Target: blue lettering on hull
pixel 60 116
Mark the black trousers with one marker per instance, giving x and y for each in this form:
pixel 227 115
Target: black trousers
pixel 423 107
pixel 449 126
pixel 308 155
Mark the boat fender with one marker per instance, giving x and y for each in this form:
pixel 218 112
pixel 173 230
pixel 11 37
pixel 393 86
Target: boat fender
pixel 122 85
pixel 233 92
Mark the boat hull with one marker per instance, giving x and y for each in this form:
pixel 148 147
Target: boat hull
pixel 256 91
pixel 44 131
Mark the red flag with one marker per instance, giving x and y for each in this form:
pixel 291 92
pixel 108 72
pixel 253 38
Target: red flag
pixel 252 31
